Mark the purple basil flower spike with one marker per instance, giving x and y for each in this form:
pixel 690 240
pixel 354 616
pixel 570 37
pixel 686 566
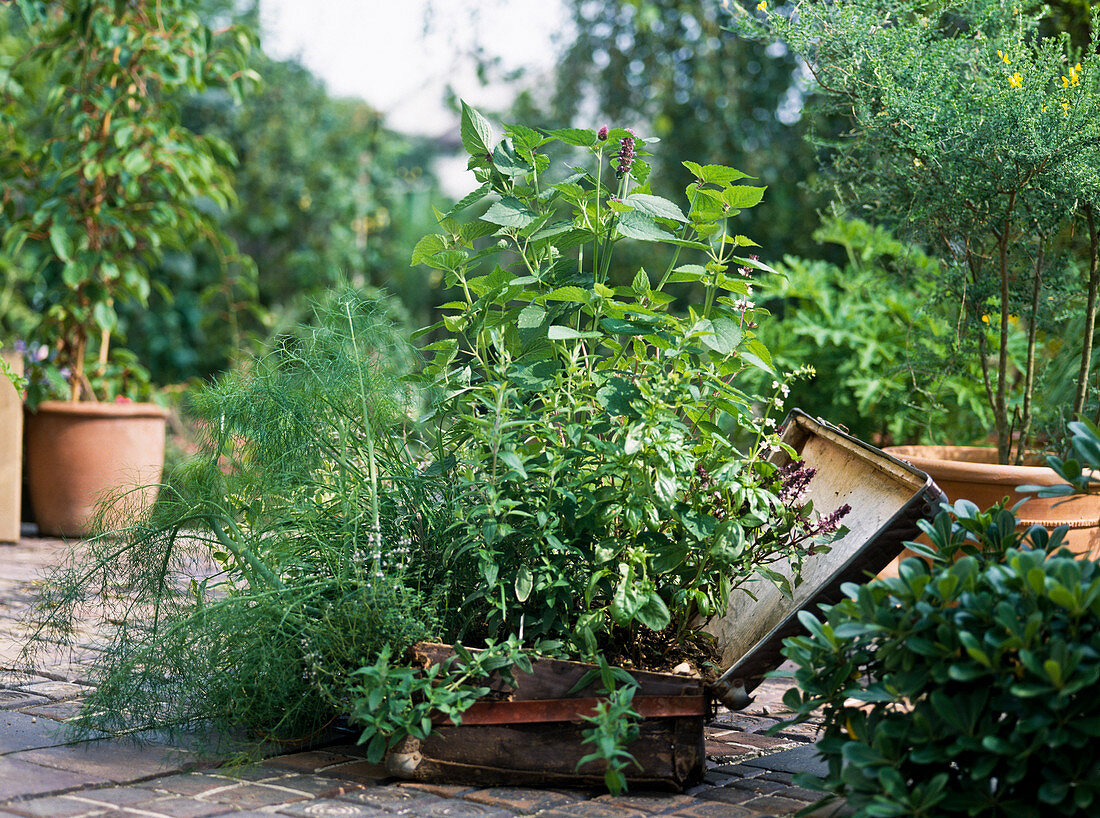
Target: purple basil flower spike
pixel 602 134
pixel 626 156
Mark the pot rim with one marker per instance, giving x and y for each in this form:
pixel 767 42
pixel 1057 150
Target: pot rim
pixel 106 410
pixel 930 459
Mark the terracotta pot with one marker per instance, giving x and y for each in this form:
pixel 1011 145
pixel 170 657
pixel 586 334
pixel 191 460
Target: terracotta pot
pixel 11 451
pixel 973 473
pixel 81 453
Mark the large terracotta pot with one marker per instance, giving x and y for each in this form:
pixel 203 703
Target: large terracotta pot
pixel 11 451
pixel 972 473
pixel 80 453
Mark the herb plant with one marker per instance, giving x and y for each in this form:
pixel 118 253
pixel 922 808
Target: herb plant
pixel 611 473
pixel 297 545
pixel 982 138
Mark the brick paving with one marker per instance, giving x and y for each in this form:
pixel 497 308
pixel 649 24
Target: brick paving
pixel 46 773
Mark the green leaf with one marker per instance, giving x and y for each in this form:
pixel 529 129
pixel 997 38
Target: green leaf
pixel 427 247
pixel 664 486
pixel 559 333
pixel 509 212
pixel 653 613
pixel 716 174
pixel 572 294
pixel 511 459
pixel 723 337
pixel 524 583
pixel 617 326
pixel 617 395
pixel 60 241
pixel 105 316
pixel 757 354
pixel 475 132
pixel 74 274
pixel 534 377
pixel 743 196
pixel 656 206
pixel 641 226
pixel 580 137
pixel 506 161
pixel 531 317
pixel 469 199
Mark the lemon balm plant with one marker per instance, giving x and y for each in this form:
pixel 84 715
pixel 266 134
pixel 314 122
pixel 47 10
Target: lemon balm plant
pixel 612 475
pixel 977 135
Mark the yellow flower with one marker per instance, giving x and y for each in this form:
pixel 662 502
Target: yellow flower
pixel 1003 56
pixel 1065 108
pixel 1016 81
pixel 917 163
pixel 763 4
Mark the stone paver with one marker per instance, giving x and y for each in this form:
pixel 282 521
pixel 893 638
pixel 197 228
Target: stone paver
pixel 44 775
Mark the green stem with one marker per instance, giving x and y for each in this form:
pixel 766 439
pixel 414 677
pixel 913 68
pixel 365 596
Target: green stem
pixel 372 462
pixel 712 285
pixel 599 193
pixel 1090 316
pixel 676 254
pixel 244 556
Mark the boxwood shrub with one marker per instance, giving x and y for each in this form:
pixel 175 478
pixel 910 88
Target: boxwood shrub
pixel 967 685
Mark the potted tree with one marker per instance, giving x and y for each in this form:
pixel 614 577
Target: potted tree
pixel 974 132
pixel 102 178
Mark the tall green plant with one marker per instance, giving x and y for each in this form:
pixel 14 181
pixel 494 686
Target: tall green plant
pixel 101 177
pixel 613 471
pixel 984 138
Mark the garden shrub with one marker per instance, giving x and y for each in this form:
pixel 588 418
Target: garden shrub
pixel 963 687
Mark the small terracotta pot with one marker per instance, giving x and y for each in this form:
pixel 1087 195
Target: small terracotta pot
pixel 78 454
pixel 973 473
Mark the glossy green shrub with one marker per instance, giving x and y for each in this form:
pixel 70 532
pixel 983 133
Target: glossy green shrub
pixel 964 687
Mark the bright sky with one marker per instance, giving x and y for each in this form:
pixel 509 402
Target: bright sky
pixel 378 50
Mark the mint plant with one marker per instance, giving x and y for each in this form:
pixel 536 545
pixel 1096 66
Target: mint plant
pixel 611 472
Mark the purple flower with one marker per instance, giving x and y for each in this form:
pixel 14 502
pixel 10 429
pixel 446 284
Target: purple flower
pixel 21 347
pixel 626 156
pixel 602 134
pixel 794 479
pixel 831 522
pixel 65 372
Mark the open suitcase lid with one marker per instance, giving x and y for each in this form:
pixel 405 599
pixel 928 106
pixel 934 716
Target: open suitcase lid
pixel 887 497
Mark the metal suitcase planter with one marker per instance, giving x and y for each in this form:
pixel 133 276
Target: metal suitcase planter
pixel 534 735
